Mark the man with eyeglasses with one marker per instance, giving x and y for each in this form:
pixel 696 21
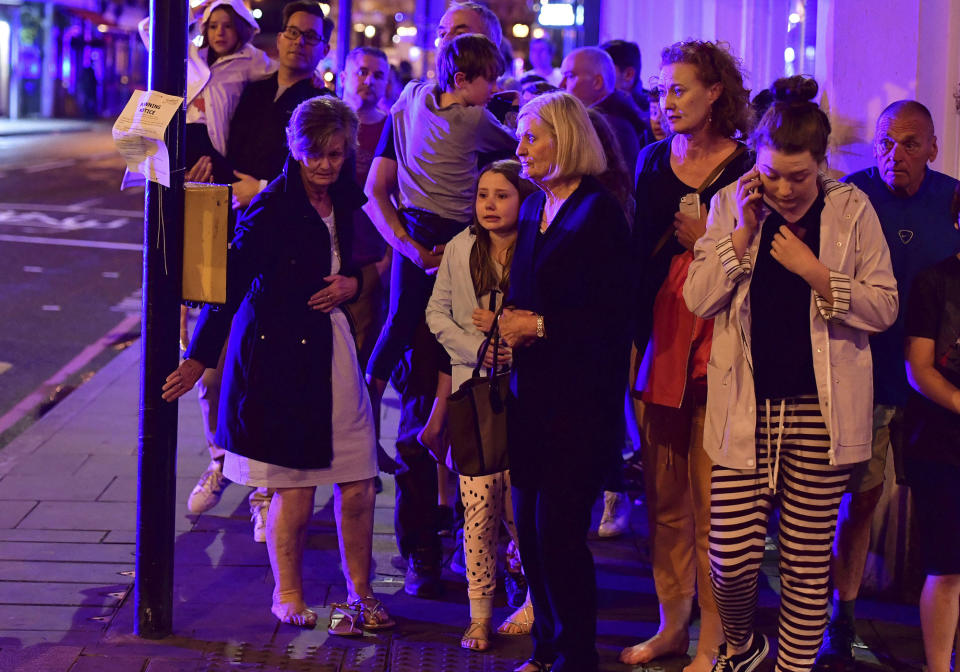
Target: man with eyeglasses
pixel 913 204
pixel 257 147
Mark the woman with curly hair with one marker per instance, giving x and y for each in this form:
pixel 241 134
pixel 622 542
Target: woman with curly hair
pixel 702 96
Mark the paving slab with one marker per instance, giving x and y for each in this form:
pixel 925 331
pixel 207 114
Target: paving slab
pixel 80 516
pixel 61 594
pixel 109 663
pixel 99 466
pixel 53 536
pixel 89 516
pixel 78 572
pixel 119 490
pixel 120 537
pixel 91 440
pixel 13 512
pixel 38 657
pixel 46 552
pixel 219 549
pixel 173 665
pixel 41 465
pixel 18 486
pixel 52 618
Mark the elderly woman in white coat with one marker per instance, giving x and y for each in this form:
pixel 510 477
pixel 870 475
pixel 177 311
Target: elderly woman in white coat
pixel 473 277
pixel 796 272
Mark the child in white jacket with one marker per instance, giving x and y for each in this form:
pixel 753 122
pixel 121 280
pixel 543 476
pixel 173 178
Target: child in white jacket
pixel 221 60
pixel 473 277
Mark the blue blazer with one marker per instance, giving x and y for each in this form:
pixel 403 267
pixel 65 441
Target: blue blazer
pixel 565 414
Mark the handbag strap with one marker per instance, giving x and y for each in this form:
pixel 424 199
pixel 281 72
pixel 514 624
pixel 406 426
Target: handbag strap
pixel 711 178
pixel 494 336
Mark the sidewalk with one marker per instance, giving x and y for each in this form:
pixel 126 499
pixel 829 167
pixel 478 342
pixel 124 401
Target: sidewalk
pixel 67 533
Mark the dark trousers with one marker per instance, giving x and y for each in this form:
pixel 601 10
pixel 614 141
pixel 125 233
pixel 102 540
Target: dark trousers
pixel 410 289
pixel 415 514
pixel 552 528
pixel 405 340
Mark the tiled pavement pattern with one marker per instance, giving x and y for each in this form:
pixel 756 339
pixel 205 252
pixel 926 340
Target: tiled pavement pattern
pixel 67 531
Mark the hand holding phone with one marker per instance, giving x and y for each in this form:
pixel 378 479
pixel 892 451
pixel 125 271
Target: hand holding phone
pixel 749 196
pixel 690 220
pixel 690 205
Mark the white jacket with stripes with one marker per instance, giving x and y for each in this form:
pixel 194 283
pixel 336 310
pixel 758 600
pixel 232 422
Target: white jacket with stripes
pixel 852 246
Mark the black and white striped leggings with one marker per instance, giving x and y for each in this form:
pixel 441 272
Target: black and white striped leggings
pixel 792 463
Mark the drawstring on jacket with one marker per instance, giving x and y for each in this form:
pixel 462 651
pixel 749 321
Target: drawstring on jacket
pixel 773 468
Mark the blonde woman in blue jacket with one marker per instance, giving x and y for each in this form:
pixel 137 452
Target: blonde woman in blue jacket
pixel 475 268
pixel 789 404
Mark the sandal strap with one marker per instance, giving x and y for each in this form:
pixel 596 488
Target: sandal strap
pixel 368 606
pixel 473 627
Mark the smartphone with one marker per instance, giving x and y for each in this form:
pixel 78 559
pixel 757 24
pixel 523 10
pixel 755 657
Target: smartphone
pixel 759 188
pixel 690 205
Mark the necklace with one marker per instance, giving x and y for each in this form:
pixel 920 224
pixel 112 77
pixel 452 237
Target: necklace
pixel 548 217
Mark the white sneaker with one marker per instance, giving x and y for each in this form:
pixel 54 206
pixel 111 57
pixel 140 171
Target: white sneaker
pixel 207 492
pixel 616 514
pixel 259 518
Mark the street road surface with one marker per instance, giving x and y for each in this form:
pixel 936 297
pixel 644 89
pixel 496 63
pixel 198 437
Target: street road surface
pixel 70 266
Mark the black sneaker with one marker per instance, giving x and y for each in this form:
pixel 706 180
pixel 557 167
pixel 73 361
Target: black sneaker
pixel 746 661
pixel 423 577
pixel 836 652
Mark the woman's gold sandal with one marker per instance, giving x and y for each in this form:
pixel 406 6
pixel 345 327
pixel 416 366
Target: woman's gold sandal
pixel 343 620
pixel 371 614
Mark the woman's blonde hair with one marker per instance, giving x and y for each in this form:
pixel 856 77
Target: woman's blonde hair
pixel 579 151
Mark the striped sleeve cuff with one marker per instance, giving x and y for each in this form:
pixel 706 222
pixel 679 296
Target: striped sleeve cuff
pixel 734 268
pixel 840 288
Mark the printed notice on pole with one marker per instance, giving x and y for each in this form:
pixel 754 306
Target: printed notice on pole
pixel 138 134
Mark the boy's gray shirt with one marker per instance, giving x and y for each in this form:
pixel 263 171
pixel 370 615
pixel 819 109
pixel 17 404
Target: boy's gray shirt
pixel 437 150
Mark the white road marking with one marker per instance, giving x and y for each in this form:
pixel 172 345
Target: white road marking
pixel 72 242
pixel 33 269
pixel 78 221
pixel 101 212
pixel 83 205
pixel 5 366
pixel 131 305
pixel 50 308
pixel 110 274
pixel 50 165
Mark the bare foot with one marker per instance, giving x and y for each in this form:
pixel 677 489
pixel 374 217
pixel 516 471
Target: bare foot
pixel 294 613
pixel 658 646
pixel 700 663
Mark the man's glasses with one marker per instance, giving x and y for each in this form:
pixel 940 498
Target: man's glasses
pixel 886 145
pixel 310 37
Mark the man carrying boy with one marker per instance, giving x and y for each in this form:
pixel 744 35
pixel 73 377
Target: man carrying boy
pixel 439 128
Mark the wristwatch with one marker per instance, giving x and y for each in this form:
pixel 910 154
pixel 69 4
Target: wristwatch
pixel 539 326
